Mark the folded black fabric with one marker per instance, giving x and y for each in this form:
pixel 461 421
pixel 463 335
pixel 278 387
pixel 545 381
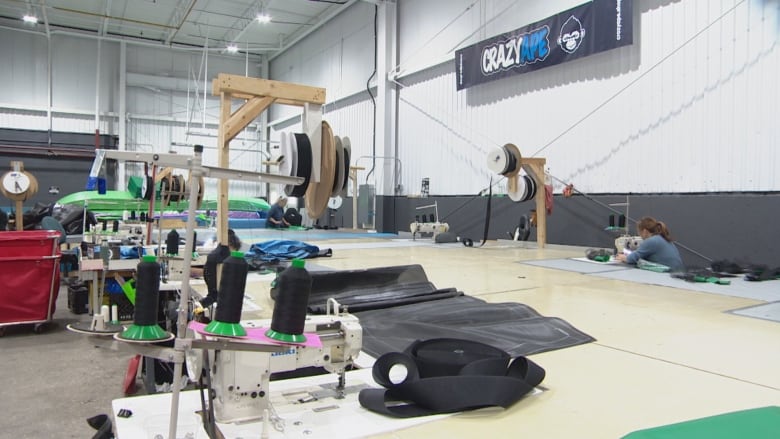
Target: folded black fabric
pixel 374 288
pixel 449 375
pixel 512 327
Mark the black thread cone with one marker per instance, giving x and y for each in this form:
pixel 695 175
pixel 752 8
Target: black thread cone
pixel 147 295
pixel 289 317
pixel 172 243
pixel 231 297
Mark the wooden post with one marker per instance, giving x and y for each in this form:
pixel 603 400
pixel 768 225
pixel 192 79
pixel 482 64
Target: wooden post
pixel 19 217
pixel 534 166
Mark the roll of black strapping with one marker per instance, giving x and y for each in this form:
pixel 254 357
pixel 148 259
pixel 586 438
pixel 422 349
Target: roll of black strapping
pixel 449 375
pixel 147 291
pixel 232 284
pixel 294 286
pixel 172 243
pixel 304 164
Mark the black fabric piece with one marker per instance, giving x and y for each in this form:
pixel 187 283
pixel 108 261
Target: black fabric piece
pixel 101 423
pixel 512 327
pixel 487 214
pixel 373 288
pixel 524 228
pixel 445 238
pixel 449 375
pixel 725 266
pixel 293 216
pixel 214 258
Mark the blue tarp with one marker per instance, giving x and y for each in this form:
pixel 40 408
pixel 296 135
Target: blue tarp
pixel 281 249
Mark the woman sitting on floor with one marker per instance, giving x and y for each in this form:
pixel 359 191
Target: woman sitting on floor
pixel 656 246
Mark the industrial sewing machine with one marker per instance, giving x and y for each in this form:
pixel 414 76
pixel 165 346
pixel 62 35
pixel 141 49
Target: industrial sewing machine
pixel 432 225
pixel 240 379
pixel 627 242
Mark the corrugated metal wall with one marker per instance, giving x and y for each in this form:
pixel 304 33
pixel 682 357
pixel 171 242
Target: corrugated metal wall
pixel 689 107
pixel 160 112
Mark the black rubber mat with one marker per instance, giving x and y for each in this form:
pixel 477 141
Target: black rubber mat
pixel 399 305
pixel 513 327
pixel 374 288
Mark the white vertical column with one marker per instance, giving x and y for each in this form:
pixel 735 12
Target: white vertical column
pixel 386 99
pixel 120 175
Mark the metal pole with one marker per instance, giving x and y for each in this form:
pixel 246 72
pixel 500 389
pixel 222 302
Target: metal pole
pixel 184 300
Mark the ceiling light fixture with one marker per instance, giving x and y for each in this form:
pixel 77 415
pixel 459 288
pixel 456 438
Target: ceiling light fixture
pixel 232 48
pixel 263 16
pixel 30 18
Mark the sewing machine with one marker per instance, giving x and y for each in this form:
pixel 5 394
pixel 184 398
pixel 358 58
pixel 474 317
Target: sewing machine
pixel 240 379
pixel 435 228
pixel 627 242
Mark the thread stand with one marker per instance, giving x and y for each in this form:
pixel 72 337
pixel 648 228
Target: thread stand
pixel 182 343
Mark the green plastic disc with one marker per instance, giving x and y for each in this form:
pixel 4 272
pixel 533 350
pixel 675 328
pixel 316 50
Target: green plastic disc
pixel 150 332
pixel 225 329
pixel 287 338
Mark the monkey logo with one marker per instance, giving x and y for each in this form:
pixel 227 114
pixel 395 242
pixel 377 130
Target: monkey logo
pixel 571 36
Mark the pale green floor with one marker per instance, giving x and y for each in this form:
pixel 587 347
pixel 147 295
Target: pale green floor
pixel 662 354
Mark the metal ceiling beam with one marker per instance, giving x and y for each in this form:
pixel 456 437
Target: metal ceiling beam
pixel 181 21
pixel 316 26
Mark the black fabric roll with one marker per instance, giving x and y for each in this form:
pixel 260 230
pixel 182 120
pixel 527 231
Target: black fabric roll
pixel 231 289
pixel 147 293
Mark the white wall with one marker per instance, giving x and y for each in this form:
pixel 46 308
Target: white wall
pixel 159 108
pixel 701 121
pixel 659 116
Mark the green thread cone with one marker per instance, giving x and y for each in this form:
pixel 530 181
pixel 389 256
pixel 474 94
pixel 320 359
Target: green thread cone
pixel 226 329
pixel 287 338
pixel 150 332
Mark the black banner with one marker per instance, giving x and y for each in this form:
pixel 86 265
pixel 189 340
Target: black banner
pixel 581 31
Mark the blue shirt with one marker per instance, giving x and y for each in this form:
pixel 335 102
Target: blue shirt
pixel 659 250
pixel 276 213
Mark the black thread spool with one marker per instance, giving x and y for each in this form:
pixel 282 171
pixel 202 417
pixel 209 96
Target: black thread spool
pixel 172 243
pixel 622 221
pixel 132 215
pixel 147 299
pixel 231 297
pixel 289 317
pixel 105 225
pixel 115 226
pixel 147 291
pixel 612 220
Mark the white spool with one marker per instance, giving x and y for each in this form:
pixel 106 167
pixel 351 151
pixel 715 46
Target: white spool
pixel 105 313
pixel 497 160
pixel 521 191
pixel 114 313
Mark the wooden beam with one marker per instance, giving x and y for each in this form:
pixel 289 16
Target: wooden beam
pixel 235 84
pixel 277 101
pixel 245 115
pixel 223 162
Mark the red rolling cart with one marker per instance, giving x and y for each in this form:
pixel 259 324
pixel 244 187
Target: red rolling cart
pixel 29 277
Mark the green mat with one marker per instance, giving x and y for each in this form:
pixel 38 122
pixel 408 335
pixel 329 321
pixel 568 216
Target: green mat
pixel 760 423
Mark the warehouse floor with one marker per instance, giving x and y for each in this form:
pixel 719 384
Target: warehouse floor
pixel 661 355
